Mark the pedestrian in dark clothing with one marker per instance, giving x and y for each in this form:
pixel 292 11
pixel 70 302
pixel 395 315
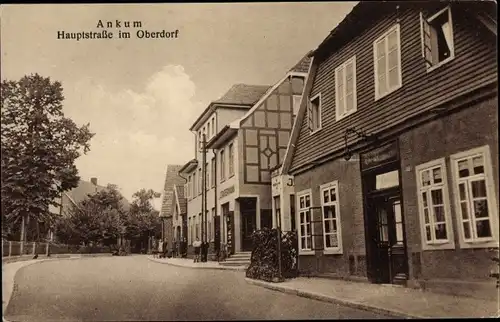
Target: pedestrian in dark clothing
pixel 165 248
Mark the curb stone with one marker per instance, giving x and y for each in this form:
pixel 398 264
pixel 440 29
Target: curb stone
pixel 334 300
pixel 241 269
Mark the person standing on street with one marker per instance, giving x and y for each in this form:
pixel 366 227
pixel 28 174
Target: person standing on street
pixel 197 247
pixel 165 248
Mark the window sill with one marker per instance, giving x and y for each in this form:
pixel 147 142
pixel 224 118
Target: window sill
pixel 336 251
pixel 438 246
pixel 230 176
pixel 388 93
pixel 430 69
pixel 340 117
pixel 315 131
pixel 306 252
pixel 491 243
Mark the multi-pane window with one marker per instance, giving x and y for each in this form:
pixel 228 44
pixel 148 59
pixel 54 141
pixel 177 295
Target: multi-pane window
pixel 207 177
pixel 331 220
pixel 212 170
pixel 304 213
pixel 387 56
pixel 345 88
pixel 437 38
pixel 198 226
pixel 209 134
pixel 231 159
pixel 222 166
pixel 213 126
pixel 476 200
pixel 315 113
pixel 433 203
pixel 200 181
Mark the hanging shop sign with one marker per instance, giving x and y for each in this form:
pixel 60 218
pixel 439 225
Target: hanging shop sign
pixel 379 156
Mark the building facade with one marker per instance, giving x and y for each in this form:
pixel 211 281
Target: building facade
pixel 394 163
pixel 231 106
pixel 170 207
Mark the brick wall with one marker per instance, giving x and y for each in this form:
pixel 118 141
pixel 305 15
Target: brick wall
pixel 469 128
pixel 347 173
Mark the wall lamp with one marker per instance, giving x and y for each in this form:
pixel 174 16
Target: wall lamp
pixel 359 134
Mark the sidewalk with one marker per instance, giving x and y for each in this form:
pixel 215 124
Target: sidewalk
pixel 186 262
pixel 385 299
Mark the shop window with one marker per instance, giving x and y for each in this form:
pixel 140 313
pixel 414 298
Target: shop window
pixel 437 38
pixel 331 218
pixel 387 54
pixel 434 208
pixel 304 220
pixel 475 198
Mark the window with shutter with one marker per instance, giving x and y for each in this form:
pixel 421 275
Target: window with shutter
pixel 314 113
pixel 437 38
pixel 345 89
pixel 387 62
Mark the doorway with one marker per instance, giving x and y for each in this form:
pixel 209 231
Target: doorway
pixel 388 249
pixel 248 209
pixel 387 259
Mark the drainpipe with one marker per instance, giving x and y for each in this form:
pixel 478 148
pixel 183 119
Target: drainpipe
pixel 215 197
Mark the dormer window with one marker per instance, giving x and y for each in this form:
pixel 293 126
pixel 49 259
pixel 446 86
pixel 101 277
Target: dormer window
pixel 437 38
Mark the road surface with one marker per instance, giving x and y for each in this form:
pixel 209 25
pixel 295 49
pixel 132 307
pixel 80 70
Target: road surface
pixel 135 288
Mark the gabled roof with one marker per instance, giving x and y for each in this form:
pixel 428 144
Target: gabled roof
pixel 172 179
pixel 242 94
pixel 303 65
pixel 239 95
pixel 85 188
pixel 180 199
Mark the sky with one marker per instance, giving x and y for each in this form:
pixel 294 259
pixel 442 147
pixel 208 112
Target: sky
pixel 140 96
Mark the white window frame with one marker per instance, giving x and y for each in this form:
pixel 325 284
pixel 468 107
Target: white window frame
pixel 490 193
pixel 231 159
pixel 375 65
pixel 434 244
pixel 312 131
pixel 296 100
pixel 327 187
pixel 343 68
pixel 429 20
pixel 303 193
pixel 222 165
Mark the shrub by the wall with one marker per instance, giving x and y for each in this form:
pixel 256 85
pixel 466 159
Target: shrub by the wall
pixel 264 260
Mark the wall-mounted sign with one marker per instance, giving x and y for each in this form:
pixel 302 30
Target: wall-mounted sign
pixel 379 156
pixel 226 192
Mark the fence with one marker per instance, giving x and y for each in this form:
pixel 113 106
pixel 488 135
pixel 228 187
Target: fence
pixel 13 248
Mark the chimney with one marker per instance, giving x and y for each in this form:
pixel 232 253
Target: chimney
pixel 94 181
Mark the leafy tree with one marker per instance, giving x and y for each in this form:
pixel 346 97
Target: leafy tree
pixel 39 146
pixel 142 220
pixel 98 218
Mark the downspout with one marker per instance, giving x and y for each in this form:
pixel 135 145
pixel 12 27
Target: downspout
pixel 215 198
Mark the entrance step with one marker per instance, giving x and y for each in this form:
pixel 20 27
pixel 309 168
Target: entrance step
pixel 238 259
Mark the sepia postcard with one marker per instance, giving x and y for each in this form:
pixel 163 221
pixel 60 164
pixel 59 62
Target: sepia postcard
pixel 249 161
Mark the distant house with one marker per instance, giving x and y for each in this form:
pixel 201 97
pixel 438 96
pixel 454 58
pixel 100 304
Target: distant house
pixel 170 203
pixel 73 197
